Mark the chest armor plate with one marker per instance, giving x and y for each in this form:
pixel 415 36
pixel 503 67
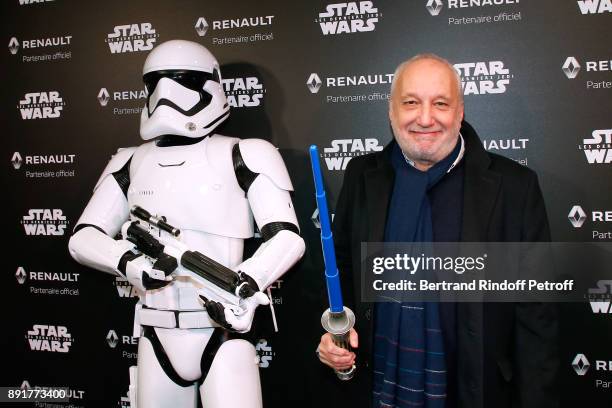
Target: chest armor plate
pixel 193 186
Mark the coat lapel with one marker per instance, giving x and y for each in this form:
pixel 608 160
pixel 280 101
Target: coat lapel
pixel 480 190
pixel 480 193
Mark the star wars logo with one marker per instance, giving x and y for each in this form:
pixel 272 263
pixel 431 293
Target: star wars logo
pixel 22 275
pixel 41 105
pixel 38 43
pixel 600 298
pixel 595 6
pixel 346 18
pixel 44 337
pixel 132 38
pixel 264 353
pixel 244 92
pixel 598 148
pixel 505 144
pixel 124 288
pixel 27 2
pixel 479 78
pixel 342 151
pixel 104 96
pixel 39 221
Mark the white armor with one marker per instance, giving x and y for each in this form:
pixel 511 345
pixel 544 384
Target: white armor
pixel 198 188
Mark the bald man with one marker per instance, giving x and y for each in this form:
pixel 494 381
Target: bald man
pixel 435 183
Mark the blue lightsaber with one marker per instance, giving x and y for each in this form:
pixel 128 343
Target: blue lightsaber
pixel 338 320
pixel 334 292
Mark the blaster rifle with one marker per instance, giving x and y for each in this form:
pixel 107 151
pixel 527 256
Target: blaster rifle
pixel 204 267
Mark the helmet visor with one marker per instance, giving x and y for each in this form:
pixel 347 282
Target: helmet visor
pixel 192 80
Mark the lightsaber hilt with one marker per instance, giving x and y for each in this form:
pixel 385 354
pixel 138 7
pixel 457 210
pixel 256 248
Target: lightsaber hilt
pixel 339 325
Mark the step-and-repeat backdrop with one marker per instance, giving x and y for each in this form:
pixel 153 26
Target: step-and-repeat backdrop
pixel 538 88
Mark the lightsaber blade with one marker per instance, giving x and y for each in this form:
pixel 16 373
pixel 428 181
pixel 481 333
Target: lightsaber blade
pixel 338 320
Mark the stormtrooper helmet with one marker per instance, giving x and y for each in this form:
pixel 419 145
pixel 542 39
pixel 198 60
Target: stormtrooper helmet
pixel 184 92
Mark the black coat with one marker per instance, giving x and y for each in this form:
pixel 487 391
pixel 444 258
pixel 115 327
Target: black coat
pixel 506 352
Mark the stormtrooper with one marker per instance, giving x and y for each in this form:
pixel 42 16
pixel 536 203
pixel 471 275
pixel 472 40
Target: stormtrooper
pixel 194 195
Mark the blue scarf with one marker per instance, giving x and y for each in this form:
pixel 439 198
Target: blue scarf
pixel 409 360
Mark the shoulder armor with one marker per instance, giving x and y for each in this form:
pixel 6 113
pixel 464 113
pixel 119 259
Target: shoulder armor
pixel 116 163
pixel 219 148
pixel 219 153
pixel 261 157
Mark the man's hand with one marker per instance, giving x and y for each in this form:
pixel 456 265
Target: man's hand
pixel 337 357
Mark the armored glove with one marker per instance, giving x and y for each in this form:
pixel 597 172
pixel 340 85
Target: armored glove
pixel 237 318
pixel 144 274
